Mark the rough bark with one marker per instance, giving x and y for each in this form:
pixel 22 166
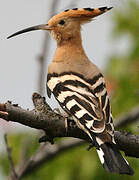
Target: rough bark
pixel 42 117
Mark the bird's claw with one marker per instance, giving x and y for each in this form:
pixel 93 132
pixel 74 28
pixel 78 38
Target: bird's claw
pixel 46 138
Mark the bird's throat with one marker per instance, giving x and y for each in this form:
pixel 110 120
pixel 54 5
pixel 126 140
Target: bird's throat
pixel 69 49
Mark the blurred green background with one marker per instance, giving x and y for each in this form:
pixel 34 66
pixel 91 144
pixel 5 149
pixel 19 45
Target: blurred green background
pixel 122 72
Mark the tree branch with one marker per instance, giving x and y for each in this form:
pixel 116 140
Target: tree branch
pixel 43 117
pixel 129 118
pixel 54 125
pixel 46 153
pixel 128 143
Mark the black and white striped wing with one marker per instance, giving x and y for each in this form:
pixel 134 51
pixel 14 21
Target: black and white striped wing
pixel 76 96
pixel 87 101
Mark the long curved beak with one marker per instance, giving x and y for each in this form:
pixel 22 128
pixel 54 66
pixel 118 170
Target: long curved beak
pixel 33 28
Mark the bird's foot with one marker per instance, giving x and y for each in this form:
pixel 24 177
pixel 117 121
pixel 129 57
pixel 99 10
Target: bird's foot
pixel 46 138
pixel 90 146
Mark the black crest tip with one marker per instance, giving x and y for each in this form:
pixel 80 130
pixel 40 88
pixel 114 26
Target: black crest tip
pixel 66 10
pixel 75 9
pixel 105 8
pixel 88 9
pixel 109 8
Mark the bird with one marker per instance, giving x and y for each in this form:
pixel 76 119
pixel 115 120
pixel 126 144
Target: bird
pixel 79 86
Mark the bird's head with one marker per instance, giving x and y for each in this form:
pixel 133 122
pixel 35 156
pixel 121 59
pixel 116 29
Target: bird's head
pixel 66 25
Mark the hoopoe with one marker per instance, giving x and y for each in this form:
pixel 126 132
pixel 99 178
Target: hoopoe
pixel 79 86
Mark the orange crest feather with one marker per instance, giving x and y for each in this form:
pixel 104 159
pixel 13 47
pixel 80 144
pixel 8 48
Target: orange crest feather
pixel 83 12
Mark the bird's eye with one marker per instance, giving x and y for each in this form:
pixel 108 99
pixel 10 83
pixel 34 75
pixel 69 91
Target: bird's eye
pixel 61 22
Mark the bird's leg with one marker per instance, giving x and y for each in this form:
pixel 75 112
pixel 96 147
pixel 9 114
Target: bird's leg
pixel 90 146
pixel 46 138
pixel 69 122
pixel 93 143
pixel 66 124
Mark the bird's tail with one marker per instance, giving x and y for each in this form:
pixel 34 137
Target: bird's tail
pixel 112 159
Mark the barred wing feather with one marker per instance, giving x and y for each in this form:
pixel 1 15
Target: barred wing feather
pixel 77 97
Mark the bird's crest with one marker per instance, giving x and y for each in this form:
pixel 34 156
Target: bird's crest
pixel 84 13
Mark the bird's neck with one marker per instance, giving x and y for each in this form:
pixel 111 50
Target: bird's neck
pixel 70 49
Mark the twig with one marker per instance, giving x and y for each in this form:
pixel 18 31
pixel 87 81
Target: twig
pixel 45 49
pixel 129 118
pixel 13 175
pixel 46 153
